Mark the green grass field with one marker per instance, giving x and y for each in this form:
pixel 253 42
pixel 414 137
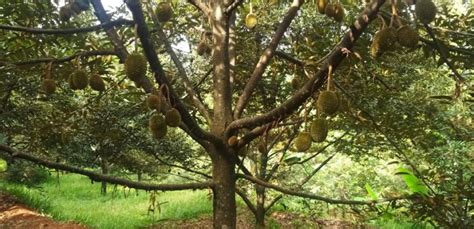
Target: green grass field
pixel 76 199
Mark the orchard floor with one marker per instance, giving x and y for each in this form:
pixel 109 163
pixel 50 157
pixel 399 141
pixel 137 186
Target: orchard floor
pixel 13 214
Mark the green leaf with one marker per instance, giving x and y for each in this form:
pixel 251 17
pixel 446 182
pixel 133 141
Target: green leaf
pixel 371 192
pixel 413 183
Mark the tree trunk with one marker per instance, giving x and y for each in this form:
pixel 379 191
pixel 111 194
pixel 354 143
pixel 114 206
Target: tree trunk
pixel 260 214
pixel 104 165
pixel 223 173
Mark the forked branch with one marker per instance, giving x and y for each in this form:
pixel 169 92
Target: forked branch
pixel 316 197
pixel 266 57
pixel 314 83
pixel 106 25
pixel 62 59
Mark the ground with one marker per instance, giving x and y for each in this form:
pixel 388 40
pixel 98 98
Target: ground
pixel 13 214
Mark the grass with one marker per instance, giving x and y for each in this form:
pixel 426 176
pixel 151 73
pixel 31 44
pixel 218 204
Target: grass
pixel 3 166
pixel 74 198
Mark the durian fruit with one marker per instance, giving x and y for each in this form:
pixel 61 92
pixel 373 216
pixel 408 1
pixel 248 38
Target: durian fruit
pixel 71 83
pixel 383 41
pixel 338 12
pixel 303 142
pixel 79 78
pixel 173 118
pixel 232 141
pixel 251 20
pixel 65 13
pixel 319 130
pixel 49 86
pixel 154 102
pixel 321 4
pixel 96 82
pixel 157 126
pixel 407 37
pixel 327 102
pixel 330 11
pixel 135 67
pixel 296 83
pixel 425 11
pixel 202 48
pixel 164 12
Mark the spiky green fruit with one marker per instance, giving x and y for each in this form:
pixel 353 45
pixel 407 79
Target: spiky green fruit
pixel 154 102
pixel 202 48
pixel 79 79
pixel 135 67
pixel 303 142
pixel 383 41
pixel 425 11
pixel 157 126
pixel 173 118
pixel 49 86
pixel 330 11
pixel 407 37
pixel 319 130
pixel 97 83
pixel 327 102
pixel 321 4
pixel 338 12
pixel 164 12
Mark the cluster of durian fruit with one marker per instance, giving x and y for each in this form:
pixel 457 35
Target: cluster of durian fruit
pixel 72 9
pixel 164 115
pixel 385 39
pixel 332 10
pixel 78 80
pixel 328 103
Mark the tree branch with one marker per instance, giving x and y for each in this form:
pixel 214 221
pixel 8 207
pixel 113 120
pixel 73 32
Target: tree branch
pixel 266 57
pixel 159 74
pixel 201 6
pixel 443 56
pixel 68 31
pixel 62 59
pixel 182 72
pixel 111 32
pixel 233 6
pixel 100 177
pixel 316 197
pixel 314 83
pixel 246 200
pixel 304 181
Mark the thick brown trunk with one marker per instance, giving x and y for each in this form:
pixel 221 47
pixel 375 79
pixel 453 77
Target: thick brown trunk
pixel 260 213
pixel 225 212
pixel 104 165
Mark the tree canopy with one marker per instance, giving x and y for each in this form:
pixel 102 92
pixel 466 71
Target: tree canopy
pixel 244 94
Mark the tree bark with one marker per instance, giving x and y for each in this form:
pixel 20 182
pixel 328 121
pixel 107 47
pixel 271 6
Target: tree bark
pixel 104 166
pixel 223 173
pixel 260 213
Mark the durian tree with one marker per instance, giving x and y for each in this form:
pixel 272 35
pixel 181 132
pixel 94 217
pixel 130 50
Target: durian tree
pixel 258 67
